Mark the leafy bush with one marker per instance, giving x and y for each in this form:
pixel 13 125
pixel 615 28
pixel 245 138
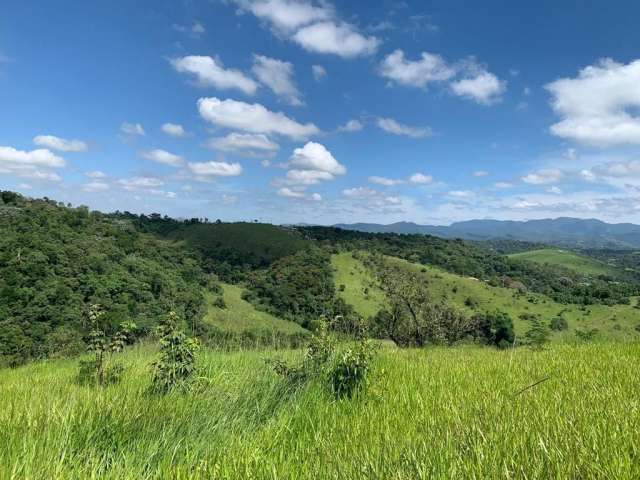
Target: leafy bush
pixel 220 303
pixel 537 336
pixel 176 367
pixel 558 324
pixel 496 328
pixel 350 372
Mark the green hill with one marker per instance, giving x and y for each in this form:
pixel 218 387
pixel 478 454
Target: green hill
pixel 614 322
pixel 241 316
pixel 568 259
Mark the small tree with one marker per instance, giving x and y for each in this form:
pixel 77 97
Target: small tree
pixel 497 328
pixel 176 367
pixel 102 369
pixel 558 324
pixel 538 335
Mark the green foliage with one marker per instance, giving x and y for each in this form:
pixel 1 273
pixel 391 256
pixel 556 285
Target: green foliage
pixel 538 335
pixel 219 302
pixel 102 369
pixel 350 372
pixel 496 328
pixel 55 261
pixel 569 260
pixel 176 367
pixel 299 288
pixel 558 324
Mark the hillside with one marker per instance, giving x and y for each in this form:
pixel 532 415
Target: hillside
pixel 616 322
pixel 567 232
pixel 570 260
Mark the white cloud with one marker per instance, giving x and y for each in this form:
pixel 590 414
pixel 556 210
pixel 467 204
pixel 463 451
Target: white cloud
pixel 95 187
pixel 480 173
pixel 287 192
pixel 600 106
pixel 140 183
pixel 340 39
pixel 307 177
pixel 420 179
pixel 196 29
pixel 392 126
pixel 555 190
pixel 461 193
pixel 352 125
pixel 526 204
pixel 484 88
pixel 314 28
pixel 216 169
pixel 162 156
pixel 174 130
pixel 252 117
pixel 96 174
pixel 40 157
pixel 314 156
pixel 132 129
pixel 61 144
pixel 387 182
pixel 544 176
pixel 571 154
pixel 210 72
pixel 242 141
pixel 278 76
pixel 502 185
pixel 318 72
pixel 418 73
pixel 316 197
pixel 359 192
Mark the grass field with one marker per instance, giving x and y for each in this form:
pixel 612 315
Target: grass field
pixel 570 260
pixel 616 323
pixel 432 413
pixel 240 315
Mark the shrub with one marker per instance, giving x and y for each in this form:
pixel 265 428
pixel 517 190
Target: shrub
pixel 349 373
pixel 558 324
pixel 537 336
pixel 220 303
pixel 496 328
pixel 176 367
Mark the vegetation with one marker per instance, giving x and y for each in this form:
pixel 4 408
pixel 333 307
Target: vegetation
pixel 570 260
pixel 465 412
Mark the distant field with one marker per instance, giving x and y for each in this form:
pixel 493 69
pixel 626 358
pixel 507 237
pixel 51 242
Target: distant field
pixel 617 322
pixel 571 260
pixel 241 316
pixel 434 413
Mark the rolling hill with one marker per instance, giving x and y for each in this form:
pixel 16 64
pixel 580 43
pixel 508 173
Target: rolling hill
pixel 570 260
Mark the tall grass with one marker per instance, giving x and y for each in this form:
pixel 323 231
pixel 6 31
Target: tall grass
pixel 435 413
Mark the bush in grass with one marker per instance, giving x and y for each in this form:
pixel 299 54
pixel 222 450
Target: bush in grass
pixel 349 373
pixel 496 328
pixel 176 367
pixel 559 324
pixel 101 369
pixel 220 303
pixel 537 336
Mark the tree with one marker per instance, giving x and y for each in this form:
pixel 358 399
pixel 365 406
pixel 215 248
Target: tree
pixel 496 328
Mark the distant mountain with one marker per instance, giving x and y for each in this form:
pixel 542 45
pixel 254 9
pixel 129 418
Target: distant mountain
pixel 564 231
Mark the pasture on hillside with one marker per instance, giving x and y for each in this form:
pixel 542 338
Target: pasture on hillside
pixel 432 413
pixel 570 260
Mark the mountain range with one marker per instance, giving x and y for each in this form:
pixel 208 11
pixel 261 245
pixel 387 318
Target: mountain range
pixel 564 231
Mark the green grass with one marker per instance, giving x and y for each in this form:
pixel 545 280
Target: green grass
pixel 241 316
pixel 433 413
pixel 615 323
pixel 570 260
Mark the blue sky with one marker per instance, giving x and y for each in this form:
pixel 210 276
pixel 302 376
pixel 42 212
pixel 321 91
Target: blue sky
pixel 319 112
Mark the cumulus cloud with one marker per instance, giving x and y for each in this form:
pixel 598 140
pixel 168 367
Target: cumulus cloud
pixel 415 73
pixel 148 185
pixel 314 156
pixel 318 72
pixel 132 129
pixel 278 76
pixel 387 182
pixel 96 174
pixel 174 130
pixel 600 106
pixel 307 177
pixel 215 169
pixel 352 125
pixel 392 126
pixel 316 28
pixel 483 87
pixel 162 156
pixel 480 173
pixel 242 141
pixel 544 176
pixel 252 117
pixel 210 72
pixel 420 179
pixel 461 193
pixel 359 192
pixel 41 157
pixel 61 144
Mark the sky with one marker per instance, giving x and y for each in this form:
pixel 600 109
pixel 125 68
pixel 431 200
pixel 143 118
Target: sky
pixel 301 111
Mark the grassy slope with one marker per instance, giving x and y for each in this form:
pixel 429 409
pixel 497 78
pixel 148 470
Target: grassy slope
pixel 442 284
pixel 241 316
pixel 565 258
pixel 435 413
